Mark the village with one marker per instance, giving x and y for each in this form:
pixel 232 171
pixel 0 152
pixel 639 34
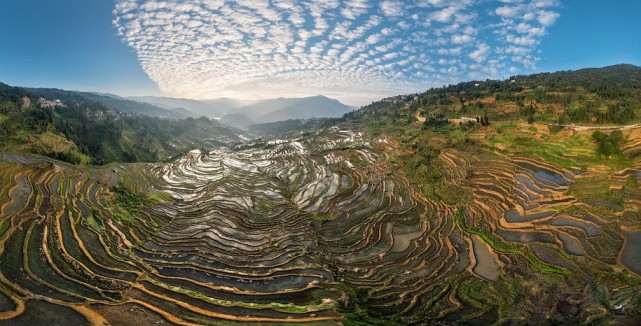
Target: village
pixel 51 104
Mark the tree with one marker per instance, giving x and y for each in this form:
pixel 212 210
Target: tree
pixel 530 118
pixel 485 120
pixel 608 145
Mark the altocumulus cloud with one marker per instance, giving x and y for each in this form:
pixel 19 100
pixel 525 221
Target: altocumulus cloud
pixel 350 49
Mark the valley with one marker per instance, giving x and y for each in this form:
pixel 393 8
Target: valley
pixel 319 229
pixel 389 215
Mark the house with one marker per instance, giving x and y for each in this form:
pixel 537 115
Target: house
pixel 463 120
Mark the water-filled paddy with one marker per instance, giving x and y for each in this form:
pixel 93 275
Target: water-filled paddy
pixel 486 266
pixel 631 253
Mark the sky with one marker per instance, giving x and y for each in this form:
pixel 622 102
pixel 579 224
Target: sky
pixel 354 50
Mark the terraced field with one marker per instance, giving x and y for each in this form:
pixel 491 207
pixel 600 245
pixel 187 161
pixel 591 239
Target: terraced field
pixel 322 229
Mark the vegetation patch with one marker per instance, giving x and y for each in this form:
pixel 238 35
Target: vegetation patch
pixel 500 245
pixel 126 205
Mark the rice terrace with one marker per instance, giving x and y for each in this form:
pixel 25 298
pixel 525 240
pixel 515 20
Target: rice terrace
pixel 494 199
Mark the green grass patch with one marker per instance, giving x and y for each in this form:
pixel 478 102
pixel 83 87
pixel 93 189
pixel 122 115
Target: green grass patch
pixel 127 205
pixel 356 313
pixel 22 136
pixel 322 216
pixel 92 222
pixel 160 196
pixel 505 127
pixel 264 205
pixel 282 307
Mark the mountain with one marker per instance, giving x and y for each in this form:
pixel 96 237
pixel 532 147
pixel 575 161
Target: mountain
pixel 183 113
pixel 306 108
pixel 237 120
pixel 114 102
pixel 282 109
pixel 227 105
pixel 81 129
pixel 210 110
pixel 267 106
pixel 596 96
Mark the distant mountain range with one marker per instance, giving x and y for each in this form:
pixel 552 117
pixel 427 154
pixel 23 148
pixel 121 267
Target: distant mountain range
pixel 236 113
pixel 294 108
pixel 242 114
pixel 282 109
pixel 229 104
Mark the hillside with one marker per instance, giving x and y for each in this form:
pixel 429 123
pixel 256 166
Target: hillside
pixel 81 130
pixel 286 128
pixel 610 95
pixel 115 102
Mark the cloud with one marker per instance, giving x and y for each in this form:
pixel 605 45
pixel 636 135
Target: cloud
pixel 459 39
pixel 547 18
pixel 342 48
pixel 481 53
pixel 508 11
pixel 392 8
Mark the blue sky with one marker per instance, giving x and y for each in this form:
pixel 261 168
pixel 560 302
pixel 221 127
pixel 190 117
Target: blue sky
pixel 69 44
pixel 353 50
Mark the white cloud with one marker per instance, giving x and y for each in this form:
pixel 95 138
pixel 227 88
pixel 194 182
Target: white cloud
pixel 480 54
pixel 445 15
pixel 459 39
pixel 508 11
pixel 344 48
pixel 392 8
pixel 547 18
